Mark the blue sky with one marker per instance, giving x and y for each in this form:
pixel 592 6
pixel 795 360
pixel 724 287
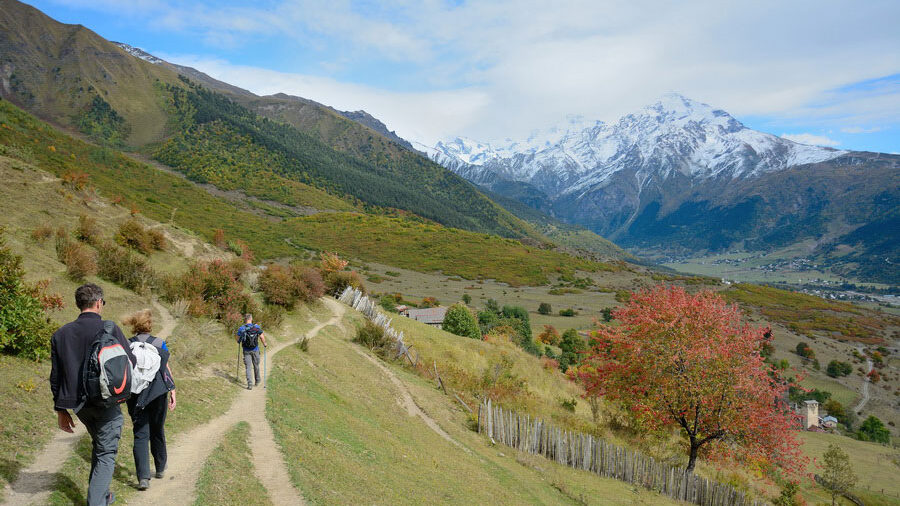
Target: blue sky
pixel 821 72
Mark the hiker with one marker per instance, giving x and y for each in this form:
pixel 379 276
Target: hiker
pixel 71 349
pixel 147 406
pixel 248 335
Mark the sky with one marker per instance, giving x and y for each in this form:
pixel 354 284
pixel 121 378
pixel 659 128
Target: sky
pixel 819 72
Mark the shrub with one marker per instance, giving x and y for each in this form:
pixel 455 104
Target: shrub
pixel 125 268
pixel 24 327
pixel 872 429
pixel 337 281
pixel 569 404
pixel 549 336
pixel 388 302
pixel 213 289
pixel 571 346
pixel 80 260
pixel 429 302
pixel 219 238
pixel 836 369
pixel 567 312
pixel 285 286
pixel 545 308
pixel 373 337
pixel 549 363
pixel 42 233
pixel 607 313
pixel 460 321
pixel 467 299
pixel 135 236
pixel 88 231
pixel 805 351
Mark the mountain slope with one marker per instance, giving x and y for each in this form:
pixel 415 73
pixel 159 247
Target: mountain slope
pixel 682 177
pixel 121 96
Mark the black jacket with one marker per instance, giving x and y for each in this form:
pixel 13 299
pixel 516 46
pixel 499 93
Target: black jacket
pixel 68 348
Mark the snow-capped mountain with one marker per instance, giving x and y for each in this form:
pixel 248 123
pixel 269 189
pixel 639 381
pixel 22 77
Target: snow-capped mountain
pixel 680 175
pixel 673 135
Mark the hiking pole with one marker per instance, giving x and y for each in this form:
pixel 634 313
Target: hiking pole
pixel 265 363
pixel 238 375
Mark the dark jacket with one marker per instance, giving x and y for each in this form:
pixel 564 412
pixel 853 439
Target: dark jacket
pixel 68 348
pixel 162 383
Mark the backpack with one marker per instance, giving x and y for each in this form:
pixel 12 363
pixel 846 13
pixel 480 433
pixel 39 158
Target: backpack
pixel 107 370
pixel 250 339
pixel 146 365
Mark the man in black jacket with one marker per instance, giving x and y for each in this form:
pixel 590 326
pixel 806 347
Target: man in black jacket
pixel 68 349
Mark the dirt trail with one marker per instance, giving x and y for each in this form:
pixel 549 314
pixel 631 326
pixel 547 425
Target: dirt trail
pixel 188 453
pixel 35 483
pixel 865 386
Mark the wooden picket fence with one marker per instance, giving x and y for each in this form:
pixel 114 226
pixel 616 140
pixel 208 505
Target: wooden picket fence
pixel 584 451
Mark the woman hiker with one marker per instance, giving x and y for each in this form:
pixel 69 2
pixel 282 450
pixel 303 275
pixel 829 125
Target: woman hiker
pixel 148 408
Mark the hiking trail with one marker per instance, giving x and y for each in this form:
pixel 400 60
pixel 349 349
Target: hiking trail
pixel 35 483
pixel 188 451
pixel 865 385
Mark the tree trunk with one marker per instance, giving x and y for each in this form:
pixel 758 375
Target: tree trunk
pixel 692 459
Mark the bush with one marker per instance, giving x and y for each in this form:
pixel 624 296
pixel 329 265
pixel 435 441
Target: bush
pixel 135 236
pixel 213 290
pixel 467 299
pixel 88 231
pixel 25 329
pixel 545 308
pixel 460 321
pixel 805 351
pixel 836 369
pixel 337 281
pixel 80 260
pixel 607 313
pixel 569 404
pixel 373 337
pixel 567 312
pixel 549 336
pixel 571 346
pixel 285 286
pixel 42 233
pixel 429 302
pixel 125 268
pixel 872 429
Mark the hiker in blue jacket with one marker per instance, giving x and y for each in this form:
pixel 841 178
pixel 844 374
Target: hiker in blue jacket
pixel 249 335
pixel 148 408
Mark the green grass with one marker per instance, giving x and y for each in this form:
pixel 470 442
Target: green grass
pixel 406 243
pixel 876 467
pixel 839 392
pixel 347 440
pixel 227 477
pixel 813 316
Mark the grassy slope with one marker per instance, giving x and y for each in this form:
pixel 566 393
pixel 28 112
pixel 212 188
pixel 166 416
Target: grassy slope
pixel 163 196
pixel 347 440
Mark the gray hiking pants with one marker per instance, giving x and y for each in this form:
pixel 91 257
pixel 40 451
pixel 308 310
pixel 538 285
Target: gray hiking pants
pixel 105 427
pixel 252 357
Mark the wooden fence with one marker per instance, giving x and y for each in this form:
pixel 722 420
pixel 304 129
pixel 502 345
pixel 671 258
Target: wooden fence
pixel 583 451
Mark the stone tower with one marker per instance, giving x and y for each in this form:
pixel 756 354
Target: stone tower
pixel 811 417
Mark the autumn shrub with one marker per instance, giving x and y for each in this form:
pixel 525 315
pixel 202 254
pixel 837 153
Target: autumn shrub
pixel 125 268
pixel 549 335
pixel 80 260
pixel 285 286
pixel 133 235
pixel 213 289
pixel 88 231
pixel 42 233
pixel 337 281
pixel 429 302
pixel 24 327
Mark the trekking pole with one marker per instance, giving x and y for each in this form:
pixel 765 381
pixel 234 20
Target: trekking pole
pixel 238 376
pixel 265 363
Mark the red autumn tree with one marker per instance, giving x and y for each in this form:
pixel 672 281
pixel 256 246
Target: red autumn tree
pixel 690 361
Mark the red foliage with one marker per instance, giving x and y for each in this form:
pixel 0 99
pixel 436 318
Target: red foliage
pixel 690 361
pixel 49 301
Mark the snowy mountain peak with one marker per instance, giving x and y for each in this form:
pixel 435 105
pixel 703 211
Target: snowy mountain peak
pixel 673 135
pixel 139 53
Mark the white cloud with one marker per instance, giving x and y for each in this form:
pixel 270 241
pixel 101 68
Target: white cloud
pixel 811 139
pixel 860 130
pixel 504 67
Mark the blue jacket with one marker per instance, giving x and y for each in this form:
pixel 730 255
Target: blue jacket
pixel 240 333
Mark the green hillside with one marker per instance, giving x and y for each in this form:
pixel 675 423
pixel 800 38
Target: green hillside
pixel 405 241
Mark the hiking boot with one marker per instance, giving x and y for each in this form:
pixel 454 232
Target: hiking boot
pixel 159 474
pixel 144 484
pixel 249 387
